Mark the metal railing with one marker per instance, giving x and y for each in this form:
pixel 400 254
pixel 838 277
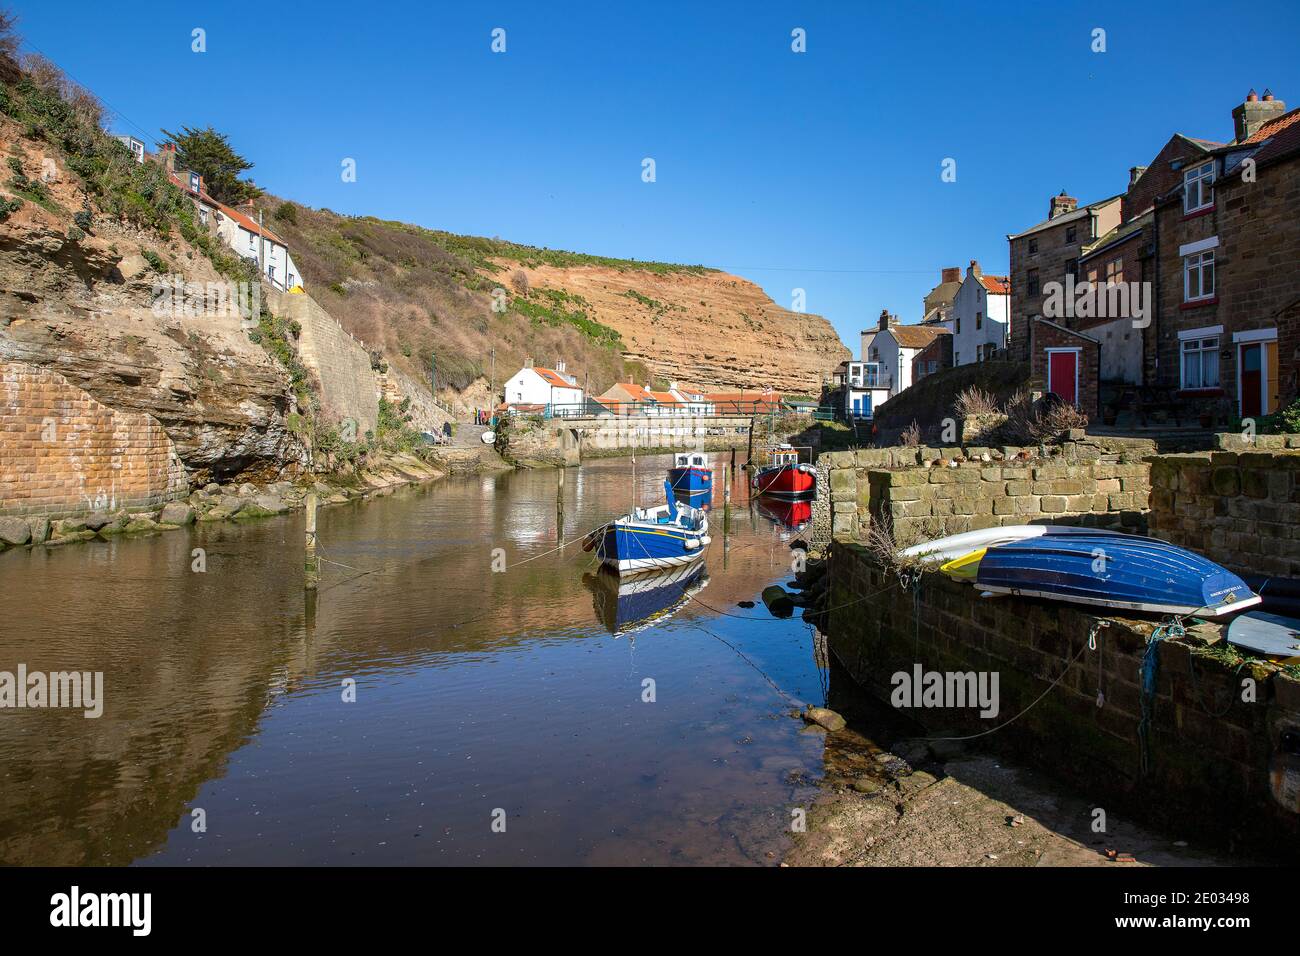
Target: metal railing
pixel 592 408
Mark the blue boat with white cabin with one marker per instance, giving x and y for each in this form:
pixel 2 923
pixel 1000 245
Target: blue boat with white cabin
pixel 691 477
pixel 652 538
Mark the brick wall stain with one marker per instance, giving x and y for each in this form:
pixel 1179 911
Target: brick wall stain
pixel 63 452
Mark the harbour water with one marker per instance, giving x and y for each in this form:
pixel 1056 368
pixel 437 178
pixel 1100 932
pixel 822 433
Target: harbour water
pixel 499 716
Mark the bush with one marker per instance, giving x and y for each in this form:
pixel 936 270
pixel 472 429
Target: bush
pixel 975 401
pixel 1029 422
pixel 1285 421
pixel 286 212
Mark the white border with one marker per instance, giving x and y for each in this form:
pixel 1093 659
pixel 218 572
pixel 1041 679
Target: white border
pixel 1078 364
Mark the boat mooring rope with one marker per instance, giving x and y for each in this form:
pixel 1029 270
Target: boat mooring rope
pixel 1149 672
pixel 1090 643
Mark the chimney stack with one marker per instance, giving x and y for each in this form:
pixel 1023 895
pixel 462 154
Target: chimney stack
pixel 975 269
pixel 1254 113
pixel 1135 173
pixel 886 320
pixel 952 274
pixel 1062 204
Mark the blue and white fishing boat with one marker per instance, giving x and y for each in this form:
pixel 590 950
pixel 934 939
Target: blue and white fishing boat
pixel 1121 571
pixel 649 538
pixel 691 477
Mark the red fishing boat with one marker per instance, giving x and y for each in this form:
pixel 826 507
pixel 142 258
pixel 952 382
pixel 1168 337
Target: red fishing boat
pixel 786 477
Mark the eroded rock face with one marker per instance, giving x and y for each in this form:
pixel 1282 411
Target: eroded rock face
pixel 82 307
pixel 711 331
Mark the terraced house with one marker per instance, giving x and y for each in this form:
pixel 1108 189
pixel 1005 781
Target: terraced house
pixel 1227 240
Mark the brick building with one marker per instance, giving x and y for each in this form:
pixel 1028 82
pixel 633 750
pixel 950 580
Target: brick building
pixel 1042 255
pixel 933 358
pixel 1227 235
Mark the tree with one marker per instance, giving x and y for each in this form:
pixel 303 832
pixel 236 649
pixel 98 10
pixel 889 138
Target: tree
pixel 209 153
pixel 9 40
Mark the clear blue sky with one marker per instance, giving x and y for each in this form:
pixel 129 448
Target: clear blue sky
pixel 818 170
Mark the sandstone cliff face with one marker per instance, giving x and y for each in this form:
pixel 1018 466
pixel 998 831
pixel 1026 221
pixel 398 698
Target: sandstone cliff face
pixel 710 331
pixel 81 307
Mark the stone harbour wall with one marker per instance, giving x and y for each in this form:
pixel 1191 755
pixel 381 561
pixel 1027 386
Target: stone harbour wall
pixel 925 493
pixel 1238 508
pixel 1223 743
pixel 347 385
pixel 62 452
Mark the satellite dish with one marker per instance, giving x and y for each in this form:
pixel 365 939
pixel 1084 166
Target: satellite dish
pixel 489 438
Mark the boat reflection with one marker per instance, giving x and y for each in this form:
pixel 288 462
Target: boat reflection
pixel 791 515
pixel 626 604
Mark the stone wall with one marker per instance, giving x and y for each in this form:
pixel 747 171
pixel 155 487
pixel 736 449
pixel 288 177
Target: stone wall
pixel 649 433
pixel 1218 766
pixel 63 452
pixel 340 364
pixel 1238 508
pixel 931 492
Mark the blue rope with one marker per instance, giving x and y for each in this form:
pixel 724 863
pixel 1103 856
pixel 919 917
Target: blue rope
pixel 1148 674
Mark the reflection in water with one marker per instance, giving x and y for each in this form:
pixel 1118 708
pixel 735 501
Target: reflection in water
pixel 627 602
pixel 475 691
pixel 789 515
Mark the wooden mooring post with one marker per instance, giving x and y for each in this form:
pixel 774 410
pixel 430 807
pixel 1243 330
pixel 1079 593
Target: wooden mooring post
pixel 559 508
pixel 726 501
pixel 311 563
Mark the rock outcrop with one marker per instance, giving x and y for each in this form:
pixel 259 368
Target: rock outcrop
pixel 706 330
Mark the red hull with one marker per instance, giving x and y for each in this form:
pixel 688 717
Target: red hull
pixel 785 481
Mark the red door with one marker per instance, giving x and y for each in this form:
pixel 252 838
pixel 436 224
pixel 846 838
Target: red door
pixel 1252 381
pixel 1062 375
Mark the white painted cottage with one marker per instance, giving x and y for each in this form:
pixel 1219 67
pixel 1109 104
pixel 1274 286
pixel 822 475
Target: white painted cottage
pixel 533 385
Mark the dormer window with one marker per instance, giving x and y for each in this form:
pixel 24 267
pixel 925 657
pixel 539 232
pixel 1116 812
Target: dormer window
pixel 1198 188
pixel 194 182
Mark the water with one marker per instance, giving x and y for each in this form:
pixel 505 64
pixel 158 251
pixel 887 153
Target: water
pixel 480 696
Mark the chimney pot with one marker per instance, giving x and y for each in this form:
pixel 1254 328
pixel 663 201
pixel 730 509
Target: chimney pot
pixel 1268 96
pixel 1252 97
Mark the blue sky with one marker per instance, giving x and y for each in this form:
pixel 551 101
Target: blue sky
pixel 818 170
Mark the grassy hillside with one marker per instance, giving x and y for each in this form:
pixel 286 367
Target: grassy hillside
pixel 417 294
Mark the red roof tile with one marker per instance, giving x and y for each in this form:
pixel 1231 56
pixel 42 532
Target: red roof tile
pixel 553 377
pixel 998 285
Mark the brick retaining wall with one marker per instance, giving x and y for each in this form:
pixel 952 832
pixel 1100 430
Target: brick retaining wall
pixel 1217 763
pixel 62 452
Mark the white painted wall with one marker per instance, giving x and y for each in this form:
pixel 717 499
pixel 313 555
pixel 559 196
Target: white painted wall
pixel 972 300
pixel 528 387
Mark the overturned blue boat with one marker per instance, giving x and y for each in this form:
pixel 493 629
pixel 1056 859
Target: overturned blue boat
pixel 1121 571
pixel 652 538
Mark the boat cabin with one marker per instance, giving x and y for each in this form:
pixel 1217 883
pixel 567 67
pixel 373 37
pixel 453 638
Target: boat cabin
pixel 785 456
pixel 690 459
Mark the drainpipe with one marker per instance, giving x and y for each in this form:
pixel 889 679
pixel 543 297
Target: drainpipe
pixel 1154 327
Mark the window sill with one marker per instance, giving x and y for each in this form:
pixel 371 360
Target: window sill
pixel 1197 213
pixel 1197 303
pixel 1213 392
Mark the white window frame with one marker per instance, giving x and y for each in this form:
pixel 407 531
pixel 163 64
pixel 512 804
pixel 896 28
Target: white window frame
pixel 1199 348
pixel 1198 261
pixel 1202 177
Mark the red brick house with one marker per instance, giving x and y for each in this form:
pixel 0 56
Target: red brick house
pixel 1227 242
pixel 933 358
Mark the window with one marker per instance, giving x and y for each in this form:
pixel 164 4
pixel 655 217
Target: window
pixel 1115 271
pixel 194 182
pixel 1033 282
pixel 203 215
pixel 1198 276
pixel 1092 276
pixel 957 326
pixel 1198 187
pixel 1071 234
pixel 252 242
pixel 979 320
pixel 1033 246
pixel 1201 363
pixel 934 367
pixel 956 358
pixel 270 273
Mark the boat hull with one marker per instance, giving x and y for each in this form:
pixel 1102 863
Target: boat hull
pixel 691 482
pixel 630 547
pixel 1125 572
pixel 789 482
